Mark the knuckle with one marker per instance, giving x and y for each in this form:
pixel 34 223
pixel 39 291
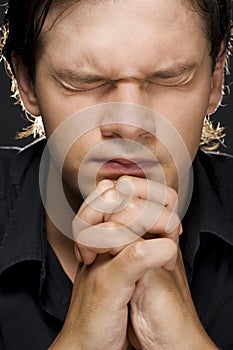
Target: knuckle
pixel 111 225
pixel 132 205
pixel 172 249
pixel 135 252
pixel 110 195
pixel 125 185
pixel 106 183
pixel 124 178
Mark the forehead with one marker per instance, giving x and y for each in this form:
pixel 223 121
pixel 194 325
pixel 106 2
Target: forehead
pixel 133 32
pixel 60 10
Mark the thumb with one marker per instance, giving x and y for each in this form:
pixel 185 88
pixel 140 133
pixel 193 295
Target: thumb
pixel 136 259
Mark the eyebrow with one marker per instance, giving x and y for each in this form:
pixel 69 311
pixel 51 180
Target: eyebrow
pixel 72 75
pixel 76 75
pixel 173 71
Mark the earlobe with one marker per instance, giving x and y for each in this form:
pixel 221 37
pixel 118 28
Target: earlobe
pixel 25 86
pixel 217 84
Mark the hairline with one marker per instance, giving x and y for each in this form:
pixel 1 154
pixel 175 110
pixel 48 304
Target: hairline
pixel 189 4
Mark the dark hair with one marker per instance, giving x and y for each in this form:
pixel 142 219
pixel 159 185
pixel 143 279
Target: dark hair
pixel 216 16
pixel 24 20
pixel 22 25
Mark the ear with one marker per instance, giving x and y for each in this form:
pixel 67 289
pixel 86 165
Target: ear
pixel 25 86
pixel 217 83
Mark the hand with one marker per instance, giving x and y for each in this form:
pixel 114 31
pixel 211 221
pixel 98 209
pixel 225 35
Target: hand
pixel 163 315
pixel 103 290
pixel 98 315
pixel 161 308
pixel 120 212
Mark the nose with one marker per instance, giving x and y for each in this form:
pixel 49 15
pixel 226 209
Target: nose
pixel 114 130
pixel 126 121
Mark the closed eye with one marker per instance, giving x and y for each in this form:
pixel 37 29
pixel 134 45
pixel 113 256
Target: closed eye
pixel 78 81
pixel 172 81
pixel 84 86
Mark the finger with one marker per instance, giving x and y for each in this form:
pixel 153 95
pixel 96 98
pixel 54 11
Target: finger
pixel 144 217
pixel 139 216
pixel 109 198
pixel 97 209
pixel 136 259
pixel 102 186
pixel 157 193
pixel 108 237
pixel 119 232
pixel 87 255
pixel 148 190
pixel 93 212
pixel 124 270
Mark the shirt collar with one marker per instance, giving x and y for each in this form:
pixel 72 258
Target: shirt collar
pixel 21 240
pixel 25 235
pixel 215 193
pixel 209 210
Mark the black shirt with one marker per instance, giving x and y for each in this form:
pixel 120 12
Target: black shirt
pixel 34 290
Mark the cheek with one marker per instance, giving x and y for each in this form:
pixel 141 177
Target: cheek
pixel 54 108
pixel 188 116
pixel 79 149
pixel 191 136
pixel 190 129
pixel 74 161
pixel 53 113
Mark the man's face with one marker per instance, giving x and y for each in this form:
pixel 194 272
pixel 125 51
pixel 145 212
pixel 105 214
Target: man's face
pixel 152 53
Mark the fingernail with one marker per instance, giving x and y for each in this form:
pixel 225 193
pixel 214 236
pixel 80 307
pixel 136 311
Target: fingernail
pixel 124 186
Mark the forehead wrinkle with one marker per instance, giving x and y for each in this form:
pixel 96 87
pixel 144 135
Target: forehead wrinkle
pixel 59 11
pixel 87 58
pixel 83 75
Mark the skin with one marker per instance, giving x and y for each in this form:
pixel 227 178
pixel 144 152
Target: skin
pixel 137 294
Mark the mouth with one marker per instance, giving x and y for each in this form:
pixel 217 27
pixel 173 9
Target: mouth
pixel 120 166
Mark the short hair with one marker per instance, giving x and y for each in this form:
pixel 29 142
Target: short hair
pixel 24 20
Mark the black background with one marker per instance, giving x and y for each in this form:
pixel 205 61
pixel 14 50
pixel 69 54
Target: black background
pixel 12 118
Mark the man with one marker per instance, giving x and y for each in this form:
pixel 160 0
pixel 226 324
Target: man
pixel 127 55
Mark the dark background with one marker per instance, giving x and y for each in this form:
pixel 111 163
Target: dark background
pixel 13 120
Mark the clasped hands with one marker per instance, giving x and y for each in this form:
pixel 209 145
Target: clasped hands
pixel 131 289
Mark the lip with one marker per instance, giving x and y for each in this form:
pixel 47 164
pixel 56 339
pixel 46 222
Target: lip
pixel 123 166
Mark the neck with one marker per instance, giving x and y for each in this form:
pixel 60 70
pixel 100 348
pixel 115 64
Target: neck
pixel 62 245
